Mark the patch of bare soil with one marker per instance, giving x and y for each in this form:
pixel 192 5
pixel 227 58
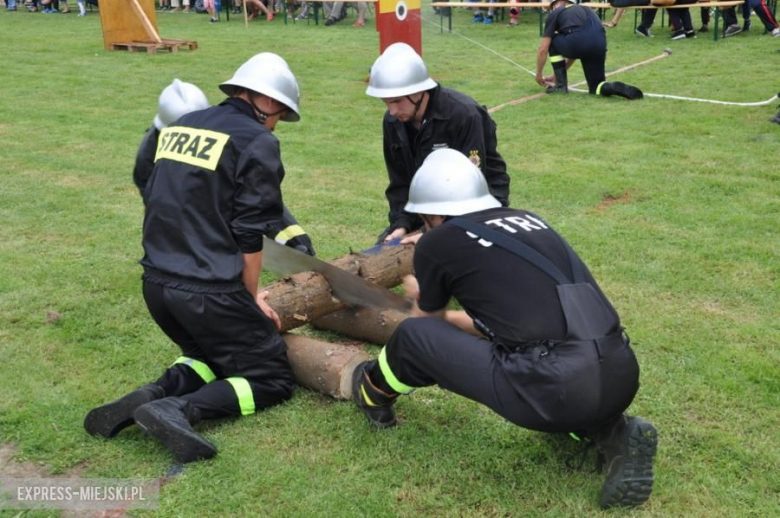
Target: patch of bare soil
pixel 10 468
pixel 608 200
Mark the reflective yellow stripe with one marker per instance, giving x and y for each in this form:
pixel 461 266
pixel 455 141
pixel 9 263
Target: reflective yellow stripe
pixel 289 233
pixel 198 147
pixel 598 88
pixel 388 6
pixel 556 59
pixel 203 370
pixel 246 401
pixel 365 396
pixel 390 377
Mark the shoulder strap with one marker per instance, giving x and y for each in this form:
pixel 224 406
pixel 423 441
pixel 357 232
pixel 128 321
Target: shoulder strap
pixel 513 245
pixel 577 267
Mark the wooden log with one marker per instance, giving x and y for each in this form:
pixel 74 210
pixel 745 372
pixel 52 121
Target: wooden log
pixel 304 297
pixel 322 366
pixel 365 324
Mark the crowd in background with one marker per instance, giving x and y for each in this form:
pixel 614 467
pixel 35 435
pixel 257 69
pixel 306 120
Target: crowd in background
pixel 334 12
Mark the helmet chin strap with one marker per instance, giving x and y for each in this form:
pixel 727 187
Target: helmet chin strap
pixel 260 114
pixel 416 105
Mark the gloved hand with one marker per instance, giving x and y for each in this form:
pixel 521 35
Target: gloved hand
pixel 291 234
pixel 302 243
pixel 178 99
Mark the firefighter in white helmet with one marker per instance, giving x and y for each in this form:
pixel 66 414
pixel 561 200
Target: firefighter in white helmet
pixel 423 116
pixel 180 98
pixel 537 340
pixel 212 193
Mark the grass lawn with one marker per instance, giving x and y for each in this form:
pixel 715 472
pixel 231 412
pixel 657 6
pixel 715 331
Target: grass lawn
pixel 674 205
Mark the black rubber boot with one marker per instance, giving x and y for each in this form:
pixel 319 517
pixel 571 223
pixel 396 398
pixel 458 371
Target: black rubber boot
pixel 561 85
pixel 627 448
pixel 621 89
pixel 170 421
pixel 376 404
pixel 111 418
pixel 776 118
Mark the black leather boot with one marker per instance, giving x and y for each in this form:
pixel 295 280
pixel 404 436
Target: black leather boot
pixel 170 421
pixel 111 418
pixel 622 90
pixel 561 85
pixel 627 448
pixel 376 404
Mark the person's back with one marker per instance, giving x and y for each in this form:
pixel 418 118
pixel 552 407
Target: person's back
pixel 184 193
pixel 569 18
pixel 512 297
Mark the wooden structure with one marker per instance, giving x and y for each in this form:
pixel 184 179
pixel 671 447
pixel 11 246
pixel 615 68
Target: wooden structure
pixel 132 25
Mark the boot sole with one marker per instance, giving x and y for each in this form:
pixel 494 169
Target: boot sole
pixel 631 483
pixel 185 447
pixel 110 419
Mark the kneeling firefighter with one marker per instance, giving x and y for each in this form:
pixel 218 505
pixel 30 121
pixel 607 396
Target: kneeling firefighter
pixel 538 342
pixel 176 100
pixel 574 32
pixel 211 193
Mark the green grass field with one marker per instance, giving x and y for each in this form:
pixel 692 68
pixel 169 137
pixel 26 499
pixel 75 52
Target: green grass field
pixel 674 205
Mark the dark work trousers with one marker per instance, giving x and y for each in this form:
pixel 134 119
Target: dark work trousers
pixel 550 389
pixel 589 45
pixel 705 15
pixel 730 14
pixel 233 338
pixel 761 9
pixel 648 18
pixel 681 18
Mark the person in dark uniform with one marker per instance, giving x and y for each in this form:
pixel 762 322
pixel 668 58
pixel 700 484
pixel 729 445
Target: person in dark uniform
pixel 574 32
pixel 537 341
pixel 176 100
pixel 423 116
pixel 212 194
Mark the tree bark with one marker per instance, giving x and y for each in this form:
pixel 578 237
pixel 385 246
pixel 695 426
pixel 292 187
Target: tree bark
pixel 322 366
pixel 304 297
pixel 365 324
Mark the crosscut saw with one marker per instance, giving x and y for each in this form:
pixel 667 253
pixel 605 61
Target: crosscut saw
pixel 349 288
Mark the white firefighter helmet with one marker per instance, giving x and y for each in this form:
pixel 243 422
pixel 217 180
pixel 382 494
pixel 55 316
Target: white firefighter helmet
pixel 268 74
pixel 177 99
pixel 399 71
pixel 449 184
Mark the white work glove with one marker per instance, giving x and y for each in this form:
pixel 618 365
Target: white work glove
pixel 177 99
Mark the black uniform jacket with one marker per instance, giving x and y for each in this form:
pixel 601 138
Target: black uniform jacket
pixel 568 19
pixel 513 298
pixel 452 120
pixel 213 191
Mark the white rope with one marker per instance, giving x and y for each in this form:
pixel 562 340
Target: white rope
pixel 521 67
pixel 658 96
pixel 711 101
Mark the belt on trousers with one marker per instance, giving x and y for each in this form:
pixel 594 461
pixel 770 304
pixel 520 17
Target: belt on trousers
pixel 604 344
